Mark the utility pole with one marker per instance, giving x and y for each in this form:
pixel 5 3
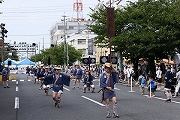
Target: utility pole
pixel 65 49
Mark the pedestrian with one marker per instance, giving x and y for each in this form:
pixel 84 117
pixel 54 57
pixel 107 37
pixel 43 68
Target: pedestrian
pixel 78 76
pixel 58 80
pixel 168 83
pixel 151 86
pixel 178 83
pixel 88 81
pixel 107 82
pixel 142 83
pixel 5 77
pixel 159 78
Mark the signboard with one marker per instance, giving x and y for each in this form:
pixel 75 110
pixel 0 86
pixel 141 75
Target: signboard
pixel 104 59
pixel 89 60
pixel 110 22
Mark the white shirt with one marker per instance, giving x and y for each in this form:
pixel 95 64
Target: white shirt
pixel 159 74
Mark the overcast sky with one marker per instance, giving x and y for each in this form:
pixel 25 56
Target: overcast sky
pixel 30 20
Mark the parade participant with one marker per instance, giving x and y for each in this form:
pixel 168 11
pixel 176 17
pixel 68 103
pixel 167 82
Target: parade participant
pixel 168 83
pixel 88 78
pixel 58 79
pixel 5 77
pixel 178 83
pixel 46 86
pixel 28 71
pixel 41 73
pixel 78 76
pixel 107 85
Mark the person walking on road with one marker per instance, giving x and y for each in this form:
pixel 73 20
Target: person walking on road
pixel 58 80
pixel 178 83
pixel 78 76
pixel 168 83
pixel 5 77
pixel 107 85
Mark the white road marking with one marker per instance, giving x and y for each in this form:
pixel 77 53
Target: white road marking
pixel 93 101
pixel 16 103
pixel 13 80
pixel 16 82
pixel 21 80
pixel 162 99
pixel 117 89
pixel 29 80
pixel 66 89
pixel 17 89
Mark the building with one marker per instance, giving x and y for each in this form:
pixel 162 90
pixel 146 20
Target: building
pixel 25 50
pixel 76 34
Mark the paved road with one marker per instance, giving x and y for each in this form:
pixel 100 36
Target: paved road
pixel 24 101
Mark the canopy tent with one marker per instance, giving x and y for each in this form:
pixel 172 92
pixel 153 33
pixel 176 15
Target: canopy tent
pixel 26 61
pixel 14 63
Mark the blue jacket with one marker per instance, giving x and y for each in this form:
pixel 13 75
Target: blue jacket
pixel 104 78
pixel 62 80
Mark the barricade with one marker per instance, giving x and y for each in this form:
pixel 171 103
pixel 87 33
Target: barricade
pixel 12 75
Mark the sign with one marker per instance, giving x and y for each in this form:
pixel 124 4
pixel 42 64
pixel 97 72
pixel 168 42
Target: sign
pixel 110 23
pixel 104 59
pixel 89 60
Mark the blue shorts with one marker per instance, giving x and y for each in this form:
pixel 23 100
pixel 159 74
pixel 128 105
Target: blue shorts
pixel 58 89
pixel 109 94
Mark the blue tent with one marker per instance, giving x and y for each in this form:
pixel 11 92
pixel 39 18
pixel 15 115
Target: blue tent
pixel 26 61
pixel 12 62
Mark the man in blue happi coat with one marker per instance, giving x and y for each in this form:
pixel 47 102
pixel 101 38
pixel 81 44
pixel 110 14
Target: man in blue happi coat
pixel 88 81
pixel 78 76
pixel 107 82
pixel 58 80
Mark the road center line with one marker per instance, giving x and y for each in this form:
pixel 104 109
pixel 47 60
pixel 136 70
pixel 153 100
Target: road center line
pixel 17 88
pixel 93 101
pixel 16 103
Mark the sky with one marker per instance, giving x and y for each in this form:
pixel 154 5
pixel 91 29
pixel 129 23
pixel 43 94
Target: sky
pixel 30 20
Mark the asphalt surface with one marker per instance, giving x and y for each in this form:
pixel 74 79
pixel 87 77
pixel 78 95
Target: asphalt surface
pixel 24 101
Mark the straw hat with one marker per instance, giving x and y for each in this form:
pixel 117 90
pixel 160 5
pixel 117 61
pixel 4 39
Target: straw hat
pixel 57 68
pixel 107 64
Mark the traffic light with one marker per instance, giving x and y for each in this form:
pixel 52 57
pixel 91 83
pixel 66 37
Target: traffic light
pixel 33 44
pixel 52 45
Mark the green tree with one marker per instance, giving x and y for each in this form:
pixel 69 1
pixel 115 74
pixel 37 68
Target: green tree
pixel 57 55
pixel 147 28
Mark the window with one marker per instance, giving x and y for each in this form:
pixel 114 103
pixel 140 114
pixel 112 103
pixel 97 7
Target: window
pixel 71 27
pixel 60 27
pixel 82 41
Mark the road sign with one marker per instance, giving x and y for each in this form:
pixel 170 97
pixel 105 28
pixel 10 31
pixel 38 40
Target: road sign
pixel 104 59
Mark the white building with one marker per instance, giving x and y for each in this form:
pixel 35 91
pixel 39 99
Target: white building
pixel 25 50
pixel 76 34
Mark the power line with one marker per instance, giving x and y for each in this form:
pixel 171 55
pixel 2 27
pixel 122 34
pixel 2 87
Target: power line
pixel 30 35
